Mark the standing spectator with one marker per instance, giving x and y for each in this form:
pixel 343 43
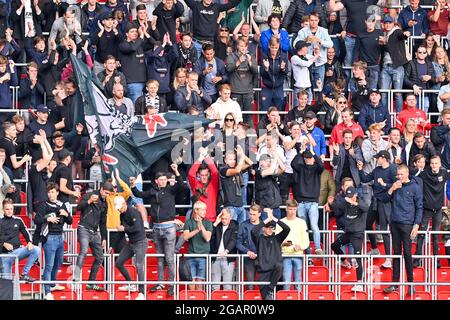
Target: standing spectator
pixel 63 177
pixel 421 145
pixel 333 67
pixel 167 12
pixel 392 72
pixel 223 242
pixel 375 112
pixel 41 122
pixel 275 31
pixel 274 70
pixel 110 76
pixel 66 26
pixel 355 221
pixel 406 196
pixel 245 243
pixel 347 123
pixel 291 143
pixel 413 18
pixel 90 12
pixel 295 243
pixel 244 29
pixel 318 37
pixel 8 78
pixel 190 95
pixel 333 115
pixel 11 245
pixel 242 68
pixel 117 5
pixel 9 47
pixel 308 169
pixel 298 113
pixel 31 89
pixel 411 112
pixel 268 248
pixel 439 19
pixel 434 180
pixel 359 85
pixel 298 9
pixel 53 215
pixel 265 8
pixel 301 62
pixel 395 148
pixel 52 10
pixel 187 53
pixel 26 17
pixel 315 135
pixel 440 137
pixel 197 230
pixel 132 224
pixel 6 186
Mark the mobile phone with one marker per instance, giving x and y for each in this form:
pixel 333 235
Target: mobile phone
pixel 210 65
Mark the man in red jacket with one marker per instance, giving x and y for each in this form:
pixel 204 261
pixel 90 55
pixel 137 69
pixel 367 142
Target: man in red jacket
pixel 347 123
pixel 411 112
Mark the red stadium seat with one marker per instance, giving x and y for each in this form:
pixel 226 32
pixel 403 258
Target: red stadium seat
pixel 420 295
pixel 381 275
pixel 119 277
pixel 192 295
pixel 152 273
pixel 86 272
pixel 350 295
pixel 380 295
pixel 443 295
pixel 289 295
pixel 123 295
pixel 26 220
pixel 419 276
pixel 75 221
pixel 23 200
pixel 347 275
pixel 252 295
pixel 65 295
pixel 35 272
pixel 443 276
pixel 159 295
pixel 321 295
pixel 65 272
pixel 224 295
pixel 318 274
pixel 95 295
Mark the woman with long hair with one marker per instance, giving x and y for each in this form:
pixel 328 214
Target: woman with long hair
pixel 409 131
pixel 180 78
pixel 431 44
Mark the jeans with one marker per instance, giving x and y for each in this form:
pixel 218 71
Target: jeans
pixel 245 100
pixel 139 249
pixel 88 238
pixel 22 253
pixel 436 217
pixel 135 200
pixel 310 212
pixel 239 214
pixel 401 236
pixel 349 48
pixel 292 266
pixel 198 268
pixel 374 75
pixel 272 97
pixel 392 77
pixel 276 213
pixel 222 268
pixel 250 272
pixel 244 187
pixel 135 90
pixel 317 73
pixel 54 255
pixel 164 239
pixel 356 239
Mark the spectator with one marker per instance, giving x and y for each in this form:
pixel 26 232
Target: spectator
pixel 269 259
pixel 8 46
pixel 187 53
pixel 242 69
pixel 150 6
pixel 347 123
pixel 266 8
pixel 222 42
pixel 409 130
pixel 413 18
pixel 26 17
pixel 308 169
pixel 407 208
pixel 431 42
pixel 167 12
pixel 392 72
pixel 336 33
pixel 151 98
pixel 11 245
pixel 375 112
pixel 333 115
pixel 271 120
pixel 441 138
pixel 298 9
pixel 90 12
pixel 243 29
pixel 316 137
pixel 411 112
pixel 275 31
pixel 295 243
pixel 274 70
pixel 319 38
pixel 421 145
pixel 53 215
pixel 110 76
pixel 211 71
pixel 5 181
pixel 63 177
pixel 190 95
pixel 359 86
pixel 197 230
pixel 225 105
pixel 439 18
pixel 31 89
pixel 117 5
pixel 120 103
pixel 66 26
pixel 223 242
pixel 301 62
pixel 35 50
pixel 7 78
pixel 333 68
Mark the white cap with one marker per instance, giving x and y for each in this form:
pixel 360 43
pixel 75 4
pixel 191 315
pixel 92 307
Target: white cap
pixel 118 202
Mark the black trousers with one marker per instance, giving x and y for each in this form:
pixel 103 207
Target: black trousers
pixel 436 217
pixel 401 238
pixel 356 239
pixel 273 276
pixel 286 181
pixel 381 212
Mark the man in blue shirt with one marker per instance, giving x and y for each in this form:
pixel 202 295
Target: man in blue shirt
pixel 318 137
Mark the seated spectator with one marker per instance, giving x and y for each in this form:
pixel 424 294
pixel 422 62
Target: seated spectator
pixel 110 76
pixel 265 8
pixel 375 112
pixel 274 21
pixel 224 105
pixel 274 69
pixel 223 242
pixel 411 112
pixel 271 120
pixel 347 123
pixel 187 53
pixel 190 95
pixel 298 113
pixel 120 103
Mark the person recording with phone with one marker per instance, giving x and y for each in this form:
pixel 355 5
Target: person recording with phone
pixel 406 197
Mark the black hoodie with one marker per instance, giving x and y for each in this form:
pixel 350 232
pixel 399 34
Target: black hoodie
pixel 10 228
pixel 133 224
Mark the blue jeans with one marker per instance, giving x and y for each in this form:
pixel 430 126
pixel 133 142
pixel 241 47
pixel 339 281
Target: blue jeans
pixel 272 97
pixel 276 213
pixel 244 188
pixel 22 253
pixel 310 212
pixel 135 90
pixel 292 266
pixel 135 200
pixel 374 75
pixel 317 73
pixel 164 237
pixel 198 268
pixel 54 255
pixel 239 214
pixel 349 48
pixel 392 77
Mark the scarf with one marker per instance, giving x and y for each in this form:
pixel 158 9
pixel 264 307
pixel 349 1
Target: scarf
pixel 149 101
pixel 186 54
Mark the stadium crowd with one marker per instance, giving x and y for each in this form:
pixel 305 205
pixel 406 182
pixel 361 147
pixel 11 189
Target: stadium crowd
pixel 342 145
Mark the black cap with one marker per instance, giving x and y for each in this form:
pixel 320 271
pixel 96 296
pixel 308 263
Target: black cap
pixel 105 16
pixel 300 44
pixel 307 154
pixel 383 154
pixel 350 192
pixel 130 26
pixel 310 115
pixel 374 91
pixel 41 108
pixel 270 224
pixel 64 153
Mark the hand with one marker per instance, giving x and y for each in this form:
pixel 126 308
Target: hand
pixel 63 212
pixel 100 26
pixel 269 212
pixel 76 193
pixel 242 58
pixel 30 246
pixel 380 181
pixel 85 47
pixel 266 64
pixel 382 124
pixel 397 185
pixel 359 164
pixel 121 228
pixel 336 148
pixel 174 168
pixel 416 89
pixel 132 182
pixel 103 244
pixel 282 65
pixel 362 82
pixel 207 70
pixel 8 246
pixel 36 3
pixel 53 219
pixel 179 223
pixel 411 23
pixel 251 255
pixel 52 44
pixel 26 158
pixel 239 151
pixel 426 78
pixel 351 152
pixel 154 20
pixel 414 231
pixel 11 65
pixel 216 79
pixel 223 253
pixel 8 35
pixel 218 218
pixel 407 34
pixel 37 139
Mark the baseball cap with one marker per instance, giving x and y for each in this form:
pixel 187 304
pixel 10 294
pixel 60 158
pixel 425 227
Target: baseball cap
pixel 130 26
pixel 42 108
pixel 383 154
pixel 301 44
pixel 270 224
pixel 105 16
pixel 374 91
pixel 310 115
pixel 118 202
pixel 388 19
pixel 307 154
pixel 350 192
pixel 64 153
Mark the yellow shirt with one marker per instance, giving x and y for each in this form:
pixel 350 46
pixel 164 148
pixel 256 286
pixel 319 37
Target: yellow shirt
pixel 113 216
pixel 298 235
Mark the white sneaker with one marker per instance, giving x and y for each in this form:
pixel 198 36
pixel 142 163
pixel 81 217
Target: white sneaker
pixel 49 296
pixel 130 288
pixel 57 288
pixel 387 263
pixel 140 296
pixel 358 288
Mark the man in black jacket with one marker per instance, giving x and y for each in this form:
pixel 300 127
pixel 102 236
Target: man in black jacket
pixel 434 180
pixel 31 88
pixel 133 225
pixel 223 242
pixel 91 231
pixel 421 145
pixel 167 12
pixel 292 20
pixel 162 211
pixel 269 261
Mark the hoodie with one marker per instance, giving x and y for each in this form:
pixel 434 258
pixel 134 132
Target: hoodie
pixel 158 66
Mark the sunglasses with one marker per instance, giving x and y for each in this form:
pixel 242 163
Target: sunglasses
pixel 421 52
pixel 229 120
pixel 223 29
pixel 342 102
